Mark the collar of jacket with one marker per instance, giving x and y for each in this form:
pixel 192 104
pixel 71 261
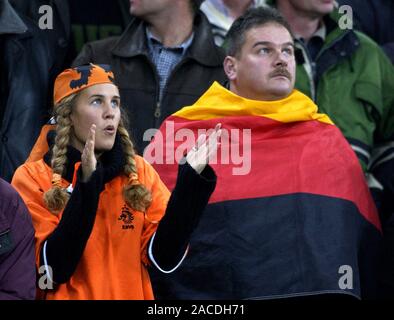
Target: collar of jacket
pixel 346 39
pixel 339 45
pixel 112 161
pixel 73 156
pixel 273 3
pixel 10 22
pixel 343 42
pixel 133 42
pixel 334 32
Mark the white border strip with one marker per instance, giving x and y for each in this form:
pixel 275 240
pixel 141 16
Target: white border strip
pixel 154 261
pixel 44 254
pixel 373 182
pixel 361 150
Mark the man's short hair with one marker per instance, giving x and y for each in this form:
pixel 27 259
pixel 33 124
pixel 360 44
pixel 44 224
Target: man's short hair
pixel 252 18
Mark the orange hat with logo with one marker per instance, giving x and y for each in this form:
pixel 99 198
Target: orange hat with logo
pixel 75 79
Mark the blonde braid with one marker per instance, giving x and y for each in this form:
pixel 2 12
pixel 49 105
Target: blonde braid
pixel 56 198
pixel 136 195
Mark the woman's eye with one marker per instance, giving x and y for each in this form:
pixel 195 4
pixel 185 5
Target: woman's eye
pixel 96 102
pixel 115 103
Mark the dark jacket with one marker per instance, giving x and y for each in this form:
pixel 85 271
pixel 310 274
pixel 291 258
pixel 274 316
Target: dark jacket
pixel 28 67
pixel 64 39
pixel 137 77
pixel 17 261
pixel 59 36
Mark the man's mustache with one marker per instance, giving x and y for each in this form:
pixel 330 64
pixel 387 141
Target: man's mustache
pixel 280 72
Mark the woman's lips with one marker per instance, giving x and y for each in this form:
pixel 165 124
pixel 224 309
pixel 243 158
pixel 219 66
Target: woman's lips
pixel 109 130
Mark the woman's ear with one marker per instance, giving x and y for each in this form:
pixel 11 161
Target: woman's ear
pixel 230 67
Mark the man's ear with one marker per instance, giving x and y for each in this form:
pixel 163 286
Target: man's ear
pixel 230 67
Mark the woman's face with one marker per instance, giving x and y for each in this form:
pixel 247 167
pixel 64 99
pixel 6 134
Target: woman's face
pixel 99 105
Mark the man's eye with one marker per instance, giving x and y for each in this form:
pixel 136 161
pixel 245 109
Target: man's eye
pixel 264 50
pixel 288 51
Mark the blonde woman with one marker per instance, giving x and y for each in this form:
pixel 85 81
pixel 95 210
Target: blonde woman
pixel 100 212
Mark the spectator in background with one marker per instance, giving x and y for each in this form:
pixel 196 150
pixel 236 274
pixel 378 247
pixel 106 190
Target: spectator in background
pixel 57 26
pixel 17 262
pixel 222 13
pixel 106 18
pixel 28 65
pixel 165 59
pixel 375 18
pixel 72 27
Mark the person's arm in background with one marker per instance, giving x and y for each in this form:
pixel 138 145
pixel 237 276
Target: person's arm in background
pixel 382 169
pixel 388 48
pixel 382 161
pixel 17 262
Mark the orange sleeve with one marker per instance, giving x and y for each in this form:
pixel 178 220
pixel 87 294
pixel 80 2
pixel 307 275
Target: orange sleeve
pixel 160 197
pixel 31 181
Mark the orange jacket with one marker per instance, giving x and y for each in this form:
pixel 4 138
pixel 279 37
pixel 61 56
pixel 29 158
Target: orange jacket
pixel 113 265
pixel 40 148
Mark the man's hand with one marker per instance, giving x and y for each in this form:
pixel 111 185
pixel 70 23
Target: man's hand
pixel 201 153
pixel 88 158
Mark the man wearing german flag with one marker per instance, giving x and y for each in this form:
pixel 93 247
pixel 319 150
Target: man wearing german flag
pixel 291 214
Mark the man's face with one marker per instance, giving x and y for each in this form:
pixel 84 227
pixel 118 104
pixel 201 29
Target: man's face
pixel 142 8
pixel 315 8
pixel 265 68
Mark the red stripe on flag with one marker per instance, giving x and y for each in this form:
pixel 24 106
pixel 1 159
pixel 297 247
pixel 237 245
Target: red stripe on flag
pixel 284 158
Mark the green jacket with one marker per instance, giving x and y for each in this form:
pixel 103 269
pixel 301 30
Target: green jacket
pixel 353 82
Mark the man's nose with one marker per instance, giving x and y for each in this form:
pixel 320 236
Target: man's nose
pixel 280 59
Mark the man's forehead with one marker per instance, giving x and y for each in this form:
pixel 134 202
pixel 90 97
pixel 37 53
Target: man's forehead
pixel 273 33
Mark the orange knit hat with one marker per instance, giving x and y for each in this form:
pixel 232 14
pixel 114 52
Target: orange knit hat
pixel 75 79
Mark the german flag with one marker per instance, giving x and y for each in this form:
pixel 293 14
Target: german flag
pixel 291 214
